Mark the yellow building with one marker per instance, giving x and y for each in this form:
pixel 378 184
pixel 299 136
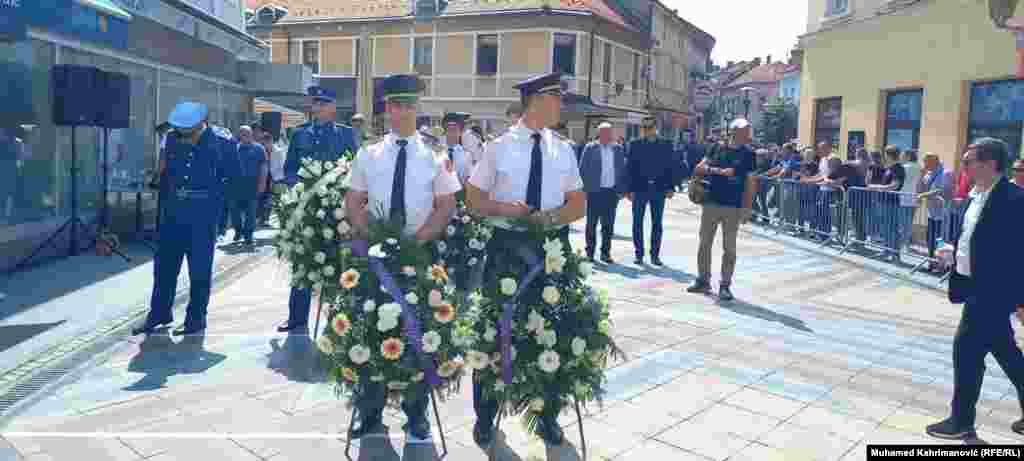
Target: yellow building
pixel 927 74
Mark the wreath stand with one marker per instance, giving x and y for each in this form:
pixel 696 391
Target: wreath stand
pixel 492 452
pixel 437 417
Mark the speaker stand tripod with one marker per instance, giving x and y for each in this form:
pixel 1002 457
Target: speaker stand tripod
pixel 73 224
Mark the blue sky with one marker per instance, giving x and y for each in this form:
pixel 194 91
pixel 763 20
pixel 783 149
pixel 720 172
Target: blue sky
pixel 745 29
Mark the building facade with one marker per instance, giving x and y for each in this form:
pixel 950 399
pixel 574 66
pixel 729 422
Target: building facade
pixel 171 51
pixel 789 86
pixel 470 54
pixel 926 74
pixel 747 94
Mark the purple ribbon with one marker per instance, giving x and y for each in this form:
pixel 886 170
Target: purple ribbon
pixel 505 325
pixel 410 324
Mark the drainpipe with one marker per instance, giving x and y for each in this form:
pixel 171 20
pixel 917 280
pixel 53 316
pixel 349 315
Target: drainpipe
pixel 590 79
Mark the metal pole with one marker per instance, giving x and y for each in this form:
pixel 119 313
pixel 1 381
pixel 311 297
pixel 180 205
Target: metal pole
pixel 590 79
pixel 73 244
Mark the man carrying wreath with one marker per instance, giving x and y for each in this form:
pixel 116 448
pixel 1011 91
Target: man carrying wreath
pixel 401 176
pixel 528 172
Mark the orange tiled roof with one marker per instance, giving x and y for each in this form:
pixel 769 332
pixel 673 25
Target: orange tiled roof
pixel 325 9
pixel 765 73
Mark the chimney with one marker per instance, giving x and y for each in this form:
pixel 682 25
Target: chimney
pixel 796 56
pixel 757 61
pixel 768 60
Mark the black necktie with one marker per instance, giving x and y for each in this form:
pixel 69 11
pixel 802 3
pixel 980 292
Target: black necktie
pixel 536 165
pixel 398 185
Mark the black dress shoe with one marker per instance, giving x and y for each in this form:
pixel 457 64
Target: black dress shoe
pixel 366 427
pixel 185 331
pixel 1018 426
pixel 419 429
pixel 607 259
pixel 483 435
pixel 699 286
pixel 724 293
pixel 948 429
pixel 148 328
pixel 656 261
pixel 287 327
pixel 639 260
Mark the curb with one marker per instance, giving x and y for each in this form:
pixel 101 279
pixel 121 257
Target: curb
pixel 20 384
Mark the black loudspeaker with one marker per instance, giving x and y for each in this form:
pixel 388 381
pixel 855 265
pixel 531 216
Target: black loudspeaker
pixel 76 95
pixel 115 107
pixel 271 122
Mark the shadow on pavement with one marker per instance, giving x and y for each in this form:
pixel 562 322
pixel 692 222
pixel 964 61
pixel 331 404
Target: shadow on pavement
pixel 12 335
pixel 160 358
pixel 378 449
pixel 297 359
pixel 750 310
pixel 635 272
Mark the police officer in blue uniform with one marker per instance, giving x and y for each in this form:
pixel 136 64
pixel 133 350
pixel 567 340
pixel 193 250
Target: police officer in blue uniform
pixel 199 163
pixel 324 140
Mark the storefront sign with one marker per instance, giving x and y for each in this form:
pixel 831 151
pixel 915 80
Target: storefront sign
pixel 12 20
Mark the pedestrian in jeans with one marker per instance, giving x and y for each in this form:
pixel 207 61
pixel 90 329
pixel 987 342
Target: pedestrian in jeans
pixel 726 172
pixel 893 179
pixel 245 194
pixel 936 189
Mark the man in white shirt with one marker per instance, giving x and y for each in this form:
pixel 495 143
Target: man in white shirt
pixel 529 171
pixel 401 177
pixel 603 169
pixel 986 257
pixel 455 123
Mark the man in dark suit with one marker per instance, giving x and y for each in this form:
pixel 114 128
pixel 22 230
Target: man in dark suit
pixel 985 256
pixel 653 171
pixel 603 169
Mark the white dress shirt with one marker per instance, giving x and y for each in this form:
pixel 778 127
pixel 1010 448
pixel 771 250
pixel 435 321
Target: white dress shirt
pixel 426 176
pixel 607 166
pixel 504 170
pixel 278 154
pixel 473 145
pixel 463 164
pixel 971 218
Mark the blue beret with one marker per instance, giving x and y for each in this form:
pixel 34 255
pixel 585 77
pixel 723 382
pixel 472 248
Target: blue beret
pixel 540 84
pixel 322 93
pixel 187 114
pixel 402 86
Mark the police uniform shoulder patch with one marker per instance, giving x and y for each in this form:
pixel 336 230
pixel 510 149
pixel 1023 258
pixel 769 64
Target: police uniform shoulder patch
pixel 221 132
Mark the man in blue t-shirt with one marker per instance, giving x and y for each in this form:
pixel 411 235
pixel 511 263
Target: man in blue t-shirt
pixel 245 193
pixel 726 170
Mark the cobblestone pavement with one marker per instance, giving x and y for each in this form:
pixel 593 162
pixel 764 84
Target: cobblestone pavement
pixel 815 359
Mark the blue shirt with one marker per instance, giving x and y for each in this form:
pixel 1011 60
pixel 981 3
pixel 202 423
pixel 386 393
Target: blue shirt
pixel 209 165
pixel 251 157
pixel 318 141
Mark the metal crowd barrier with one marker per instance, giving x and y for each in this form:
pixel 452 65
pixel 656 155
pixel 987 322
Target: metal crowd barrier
pixel 855 217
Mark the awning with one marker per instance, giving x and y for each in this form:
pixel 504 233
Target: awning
pixel 579 107
pixel 106 7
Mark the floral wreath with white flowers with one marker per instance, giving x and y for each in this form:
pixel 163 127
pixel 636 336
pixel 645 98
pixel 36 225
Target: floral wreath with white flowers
pixel 314 225
pixel 366 336
pixel 561 336
pixel 463 249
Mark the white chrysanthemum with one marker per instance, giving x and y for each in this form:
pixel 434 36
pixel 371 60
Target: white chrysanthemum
pixel 442 247
pixel 328 233
pixel 490 334
pixel 473 243
pixel 377 378
pixel 477 360
pixel 431 341
pixel 299 250
pixel 339 214
pixel 472 261
pixel 412 298
pixel 508 286
pixel 390 310
pixel 551 295
pixel 329 271
pixel 549 361
pixel 308 232
pixel 369 306
pixel 579 346
pixel 466 219
pixel 534 322
pixel 547 338
pixel 392 241
pixel 386 323
pixel 343 228
pixel 325 344
pixel 313 276
pixel 359 354
pixel 553 247
pixel 321 213
pixel 451 230
pixel 377 251
pixel 320 257
pixel 409 271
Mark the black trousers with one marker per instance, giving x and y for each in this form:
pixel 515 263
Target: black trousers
pixel 372 398
pixel 641 200
pixel 984 329
pixel 243 216
pixel 601 206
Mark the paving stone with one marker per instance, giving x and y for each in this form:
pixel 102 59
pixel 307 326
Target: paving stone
pixel 765 403
pixel 655 450
pixel 856 404
pixel 806 443
pixel 910 421
pixel 644 420
pixel 219 449
pixel 708 441
pixel 790 388
pixel 758 452
pixel 725 417
pixel 833 423
pixel 73 448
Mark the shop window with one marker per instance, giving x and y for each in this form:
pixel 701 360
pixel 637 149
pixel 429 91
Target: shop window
pixel 311 56
pixel 487 54
pixel 997 110
pixel 828 115
pixel 565 54
pixel 636 71
pixel 607 74
pixel 423 55
pixel 903 119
